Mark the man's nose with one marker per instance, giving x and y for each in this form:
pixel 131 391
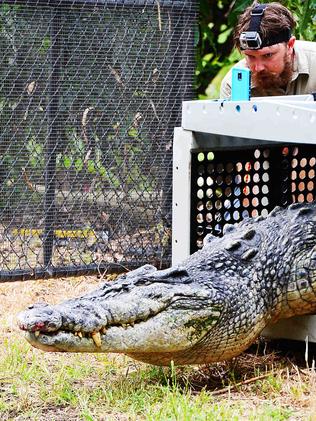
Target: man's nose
pixel 258 66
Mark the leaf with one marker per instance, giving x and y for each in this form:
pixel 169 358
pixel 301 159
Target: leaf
pixel 222 38
pixel 133 132
pixel 114 180
pixel 33 162
pixel 102 171
pixel 67 162
pixel 38 149
pixel 91 166
pixel 207 58
pixel 78 164
pixel 235 56
pixel 46 43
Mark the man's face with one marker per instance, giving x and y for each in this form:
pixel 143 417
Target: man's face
pixel 271 67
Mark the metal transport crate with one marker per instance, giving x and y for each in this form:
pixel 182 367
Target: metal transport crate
pixel 233 160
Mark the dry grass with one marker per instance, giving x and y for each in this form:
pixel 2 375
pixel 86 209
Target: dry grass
pixel 269 382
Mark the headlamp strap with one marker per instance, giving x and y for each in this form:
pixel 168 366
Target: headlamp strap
pixel 256 17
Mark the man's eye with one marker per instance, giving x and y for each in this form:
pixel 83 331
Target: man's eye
pixel 269 55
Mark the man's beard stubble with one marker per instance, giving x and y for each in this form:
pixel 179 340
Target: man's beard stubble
pixel 267 83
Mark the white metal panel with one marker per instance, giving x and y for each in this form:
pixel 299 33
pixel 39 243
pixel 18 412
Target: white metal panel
pixel 267 119
pixel 299 328
pixel 181 194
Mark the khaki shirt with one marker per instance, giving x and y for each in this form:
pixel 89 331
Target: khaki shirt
pixel 303 79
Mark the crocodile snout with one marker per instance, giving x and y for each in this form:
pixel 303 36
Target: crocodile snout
pixel 40 317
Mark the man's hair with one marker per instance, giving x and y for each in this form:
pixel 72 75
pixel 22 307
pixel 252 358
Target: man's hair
pixel 275 18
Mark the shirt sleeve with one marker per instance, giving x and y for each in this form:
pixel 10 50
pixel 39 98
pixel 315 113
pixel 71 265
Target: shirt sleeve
pixel 225 91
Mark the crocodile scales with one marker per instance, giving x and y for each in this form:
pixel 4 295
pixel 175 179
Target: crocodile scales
pixel 209 308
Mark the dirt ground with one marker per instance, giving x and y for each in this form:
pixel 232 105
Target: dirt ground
pixel 16 296
pixel 286 360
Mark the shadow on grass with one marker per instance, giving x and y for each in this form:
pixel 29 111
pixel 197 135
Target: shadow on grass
pixel 262 359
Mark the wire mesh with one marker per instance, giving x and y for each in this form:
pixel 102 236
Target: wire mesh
pixel 90 93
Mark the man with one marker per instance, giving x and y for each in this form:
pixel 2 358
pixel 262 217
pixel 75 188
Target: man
pixel 279 64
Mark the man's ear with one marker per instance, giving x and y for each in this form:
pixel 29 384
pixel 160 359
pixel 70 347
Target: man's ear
pixel 291 42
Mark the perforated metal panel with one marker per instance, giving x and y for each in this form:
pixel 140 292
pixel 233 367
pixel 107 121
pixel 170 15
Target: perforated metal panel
pixel 230 185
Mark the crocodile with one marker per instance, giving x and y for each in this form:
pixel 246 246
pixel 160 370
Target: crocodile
pixel 210 308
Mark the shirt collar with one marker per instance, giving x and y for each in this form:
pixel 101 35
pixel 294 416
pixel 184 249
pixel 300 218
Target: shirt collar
pixel 300 64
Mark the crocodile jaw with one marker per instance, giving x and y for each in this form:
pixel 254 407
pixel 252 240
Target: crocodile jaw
pixel 166 332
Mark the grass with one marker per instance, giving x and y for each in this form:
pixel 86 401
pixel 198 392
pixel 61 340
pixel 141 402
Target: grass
pixel 258 386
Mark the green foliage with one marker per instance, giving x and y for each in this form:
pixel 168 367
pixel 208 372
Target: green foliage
pixel 305 14
pixel 214 45
pixel 215 54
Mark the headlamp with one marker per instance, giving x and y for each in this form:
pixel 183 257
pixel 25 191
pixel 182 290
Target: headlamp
pixel 252 39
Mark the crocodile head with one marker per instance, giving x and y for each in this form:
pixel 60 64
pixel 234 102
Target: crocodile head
pixel 154 316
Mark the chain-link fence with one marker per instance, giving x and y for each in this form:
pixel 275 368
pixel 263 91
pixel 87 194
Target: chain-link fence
pixel 90 93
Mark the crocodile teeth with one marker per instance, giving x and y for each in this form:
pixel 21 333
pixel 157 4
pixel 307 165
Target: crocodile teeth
pixel 97 339
pixel 103 330
pixel 37 333
pixel 79 334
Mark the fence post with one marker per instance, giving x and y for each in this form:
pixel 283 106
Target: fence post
pixel 182 44
pixel 52 137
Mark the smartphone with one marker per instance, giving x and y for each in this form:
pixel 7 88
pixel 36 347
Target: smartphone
pixel 241 79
